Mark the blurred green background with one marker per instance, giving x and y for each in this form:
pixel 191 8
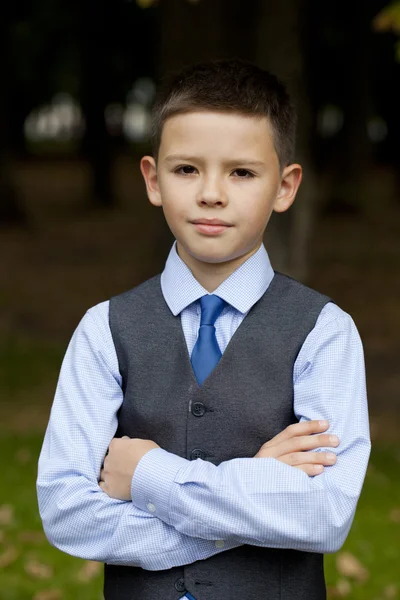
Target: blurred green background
pixel 76 228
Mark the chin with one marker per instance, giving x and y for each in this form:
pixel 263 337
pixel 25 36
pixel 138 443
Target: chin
pixel 212 257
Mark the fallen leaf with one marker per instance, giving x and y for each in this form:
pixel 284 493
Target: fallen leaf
pixel 332 592
pixel 390 591
pixel 6 514
pixel 48 595
pixel 38 570
pixel 32 536
pixel 343 587
pixel 9 556
pixel 349 566
pixel 89 570
pixel 394 515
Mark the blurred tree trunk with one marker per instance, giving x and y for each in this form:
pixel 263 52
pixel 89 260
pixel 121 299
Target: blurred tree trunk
pixel 96 144
pixel 189 32
pixel 283 48
pixel 11 211
pixel 348 184
pixel 205 30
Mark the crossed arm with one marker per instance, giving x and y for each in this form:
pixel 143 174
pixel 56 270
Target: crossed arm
pixel 292 446
pixel 81 519
pixel 220 503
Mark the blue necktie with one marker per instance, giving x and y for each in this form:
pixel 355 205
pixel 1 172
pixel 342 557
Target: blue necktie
pixel 206 352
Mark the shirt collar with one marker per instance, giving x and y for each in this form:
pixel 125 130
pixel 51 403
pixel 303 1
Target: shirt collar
pixel 242 289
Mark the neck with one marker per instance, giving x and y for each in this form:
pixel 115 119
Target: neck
pixel 211 275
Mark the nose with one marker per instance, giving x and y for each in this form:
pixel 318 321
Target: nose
pixel 211 192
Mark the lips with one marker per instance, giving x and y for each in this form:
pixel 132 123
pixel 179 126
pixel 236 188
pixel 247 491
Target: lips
pixel 211 226
pixel 211 222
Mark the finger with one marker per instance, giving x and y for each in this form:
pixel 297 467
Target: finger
pixel 299 429
pixel 311 470
pixel 125 437
pixel 310 458
pixel 311 442
pixel 102 485
pixel 305 443
pixel 102 475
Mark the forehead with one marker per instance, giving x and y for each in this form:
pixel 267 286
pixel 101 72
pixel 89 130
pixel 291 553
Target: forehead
pixel 216 133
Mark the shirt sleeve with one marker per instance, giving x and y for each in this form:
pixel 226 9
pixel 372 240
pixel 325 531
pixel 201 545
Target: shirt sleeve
pixel 262 501
pixel 78 517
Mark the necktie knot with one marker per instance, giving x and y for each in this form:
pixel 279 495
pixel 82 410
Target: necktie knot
pixel 211 307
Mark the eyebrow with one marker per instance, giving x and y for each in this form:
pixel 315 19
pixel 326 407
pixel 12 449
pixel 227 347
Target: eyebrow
pixel 232 163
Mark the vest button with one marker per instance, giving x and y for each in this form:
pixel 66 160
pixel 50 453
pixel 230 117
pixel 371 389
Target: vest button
pixel 180 585
pixel 198 409
pixel 197 453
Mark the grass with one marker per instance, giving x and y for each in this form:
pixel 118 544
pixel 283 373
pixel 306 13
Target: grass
pixel 35 569
pixel 375 534
pixel 26 364
pixel 30 569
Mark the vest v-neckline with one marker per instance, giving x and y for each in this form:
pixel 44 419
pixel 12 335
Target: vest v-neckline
pixel 240 331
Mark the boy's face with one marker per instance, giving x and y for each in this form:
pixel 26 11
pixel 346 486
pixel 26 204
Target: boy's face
pixel 218 180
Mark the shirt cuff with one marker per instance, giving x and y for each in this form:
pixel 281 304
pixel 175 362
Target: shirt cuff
pixel 152 482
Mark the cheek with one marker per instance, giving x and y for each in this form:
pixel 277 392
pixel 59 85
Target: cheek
pixel 174 195
pixel 255 224
pixel 255 207
pixel 174 215
pixel 174 207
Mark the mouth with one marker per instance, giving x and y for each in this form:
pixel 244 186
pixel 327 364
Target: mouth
pixel 211 222
pixel 211 226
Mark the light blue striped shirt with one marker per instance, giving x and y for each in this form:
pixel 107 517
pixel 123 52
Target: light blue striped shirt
pixel 183 511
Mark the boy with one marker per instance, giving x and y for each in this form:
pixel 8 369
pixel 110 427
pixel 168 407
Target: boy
pixel 219 380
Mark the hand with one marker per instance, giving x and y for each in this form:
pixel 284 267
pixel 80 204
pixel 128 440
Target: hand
pixel 120 464
pixel 291 445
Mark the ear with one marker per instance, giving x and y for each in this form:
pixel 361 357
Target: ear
pixel 290 181
pixel 149 171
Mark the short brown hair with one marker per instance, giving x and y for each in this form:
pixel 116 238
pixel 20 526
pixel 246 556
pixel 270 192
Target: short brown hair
pixel 231 85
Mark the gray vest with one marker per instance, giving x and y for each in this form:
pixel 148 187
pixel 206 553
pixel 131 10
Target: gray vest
pixel 246 401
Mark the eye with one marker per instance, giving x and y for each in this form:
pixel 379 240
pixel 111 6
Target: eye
pixel 243 173
pixel 185 170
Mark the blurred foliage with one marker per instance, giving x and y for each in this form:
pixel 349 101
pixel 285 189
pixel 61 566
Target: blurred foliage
pixel 150 3
pixel 388 19
pixel 145 3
